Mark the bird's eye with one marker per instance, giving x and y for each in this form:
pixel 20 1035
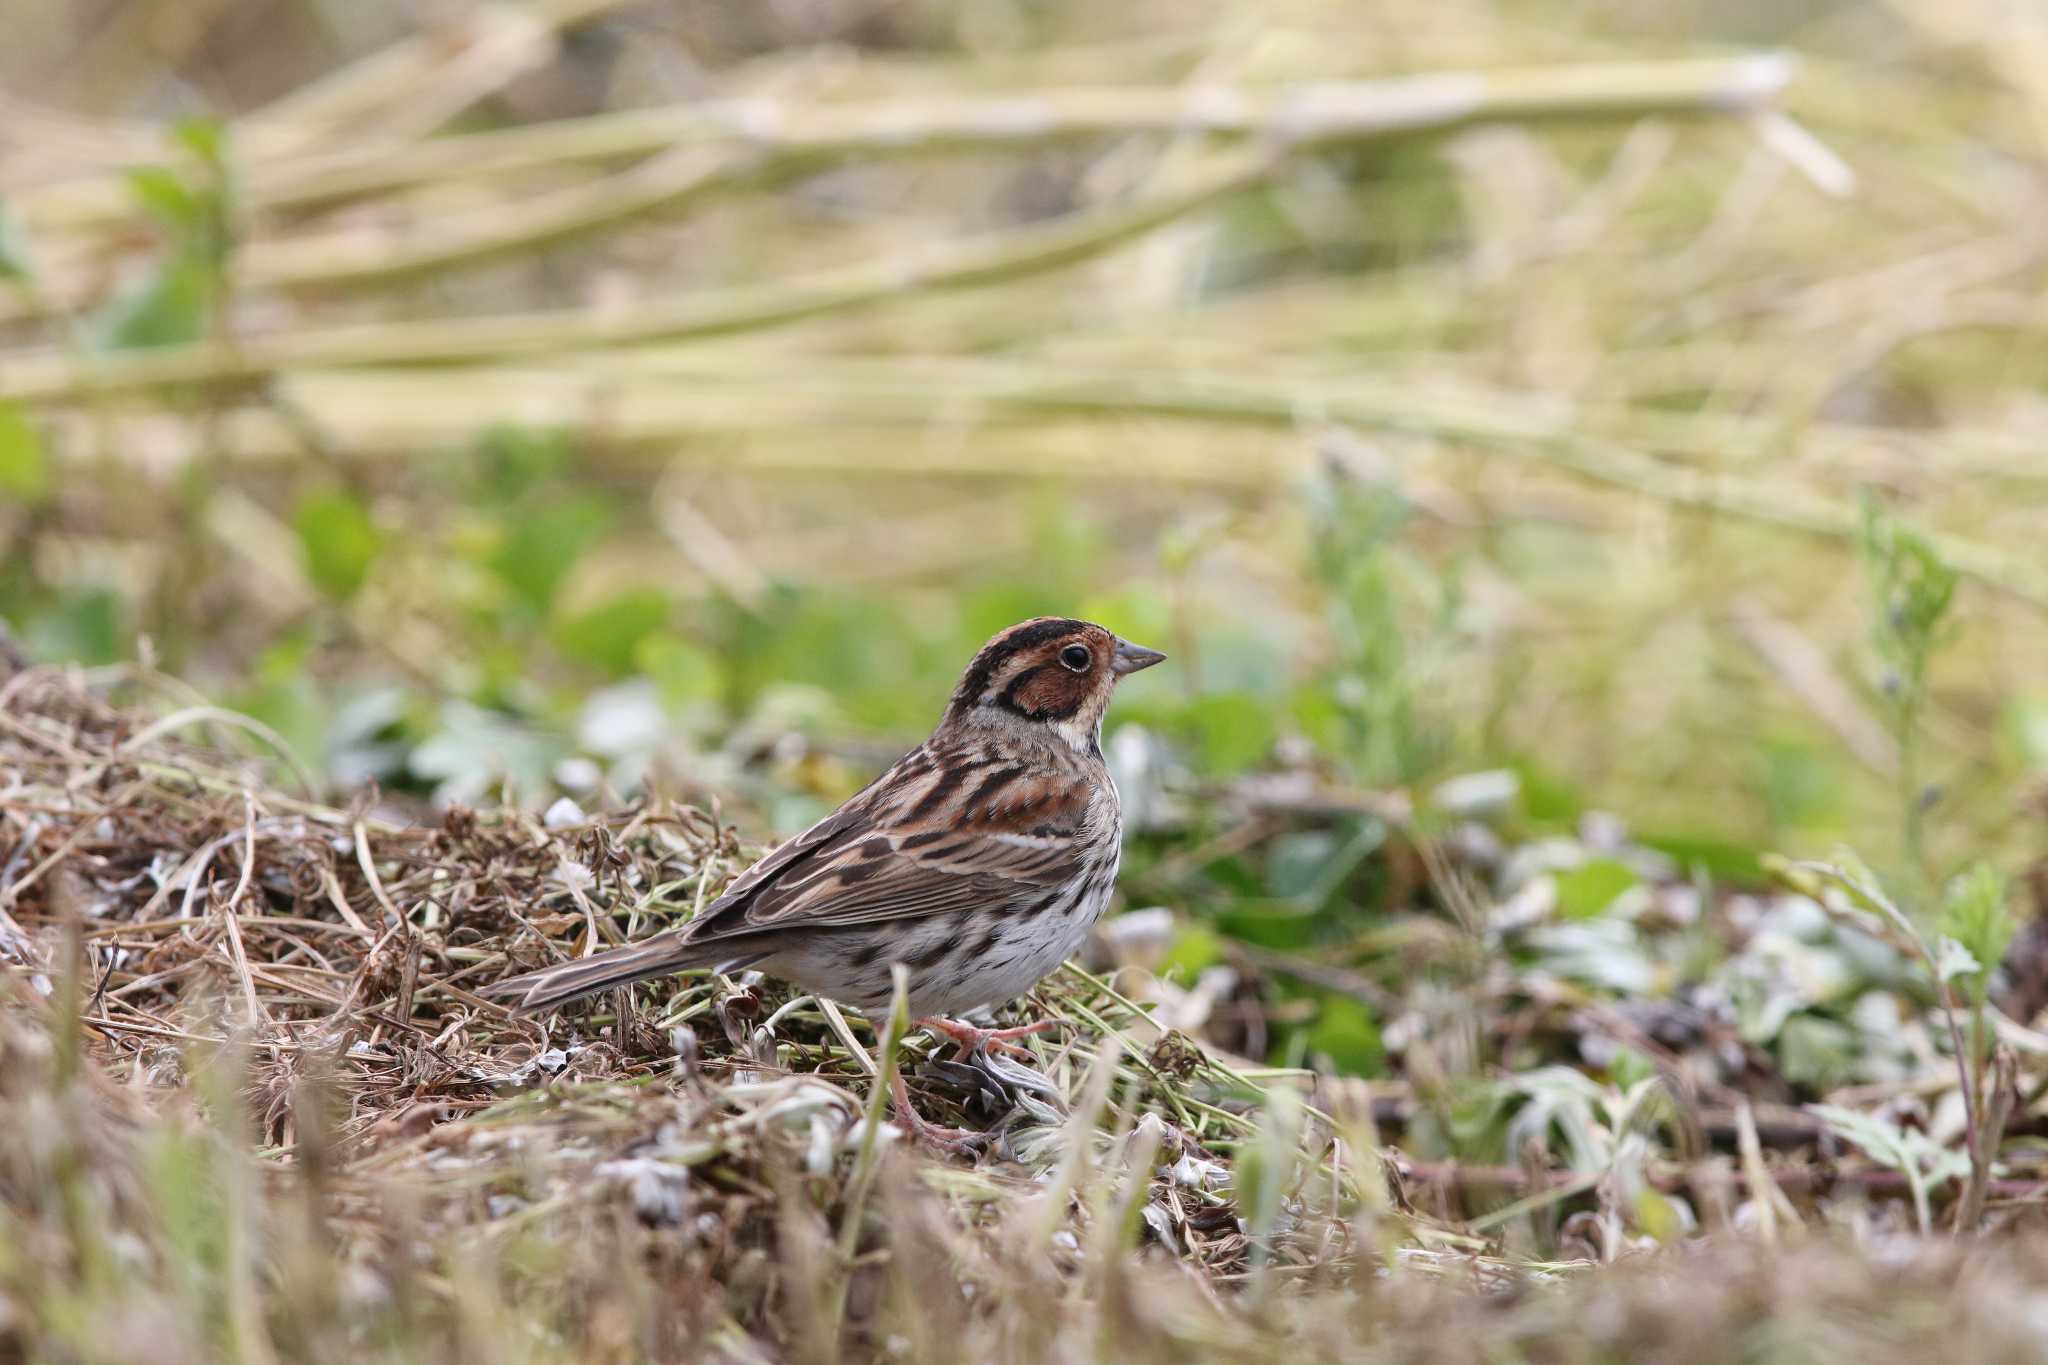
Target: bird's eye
pixel 1077 658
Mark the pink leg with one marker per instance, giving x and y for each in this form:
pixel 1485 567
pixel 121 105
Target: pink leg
pixel 972 1039
pixel 958 1141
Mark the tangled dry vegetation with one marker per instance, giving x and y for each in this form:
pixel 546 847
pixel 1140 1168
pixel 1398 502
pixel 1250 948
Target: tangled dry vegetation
pixel 255 1088
pixel 256 1111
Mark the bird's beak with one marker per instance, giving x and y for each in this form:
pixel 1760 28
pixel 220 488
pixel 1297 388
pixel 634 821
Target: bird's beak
pixel 1129 658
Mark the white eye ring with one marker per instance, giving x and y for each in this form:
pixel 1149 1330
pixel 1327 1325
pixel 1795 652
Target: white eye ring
pixel 1077 658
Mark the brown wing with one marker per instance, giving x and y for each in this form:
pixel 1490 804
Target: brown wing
pixel 943 830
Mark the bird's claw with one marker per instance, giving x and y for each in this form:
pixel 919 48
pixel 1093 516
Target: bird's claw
pixel 955 1141
pixel 972 1039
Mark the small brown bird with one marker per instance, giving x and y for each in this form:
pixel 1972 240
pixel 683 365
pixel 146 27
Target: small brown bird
pixel 979 861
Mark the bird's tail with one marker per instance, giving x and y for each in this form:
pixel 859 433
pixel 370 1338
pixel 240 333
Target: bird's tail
pixel 559 985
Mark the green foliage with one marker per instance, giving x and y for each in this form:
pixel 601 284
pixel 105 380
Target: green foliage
pixel 1268 1169
pixel 1194 948
pixel 1380 606
pixel 1912 589
pixel 337 540
pixel 1225 732
pixel 471 752
pixel 1347 1036
pixel 608 637
pixel 83 624
pixel 1817 1052
pixel 513 464
pixel 683 672
pixel 170 307
pixel 2026 728
pixel 15 267
pixel 188 1204
pixel 1716 860
pixel 192 204
pixel 1548 800
pixel 1926 1164
pixel 1802 783
pixel 24 461
pixel 283 694
pixel 1977 916
pixel 540 547
pixel 818 638
pixel 1288 927
pixel 1586 891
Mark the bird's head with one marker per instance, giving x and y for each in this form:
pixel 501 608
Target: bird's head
pixel 1050 671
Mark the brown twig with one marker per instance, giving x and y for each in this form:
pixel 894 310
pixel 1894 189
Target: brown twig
pixel 230 914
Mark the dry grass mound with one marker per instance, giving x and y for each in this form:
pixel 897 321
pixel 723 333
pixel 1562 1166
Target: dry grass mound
pixel 257 1111
pixel 248 1059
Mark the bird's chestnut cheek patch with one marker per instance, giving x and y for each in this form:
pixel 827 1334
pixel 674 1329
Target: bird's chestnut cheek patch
pixel 1001 651
pixel 1048 693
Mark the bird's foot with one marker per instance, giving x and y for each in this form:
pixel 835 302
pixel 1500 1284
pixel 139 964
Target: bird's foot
pixel 956 1141
pixel 972 1039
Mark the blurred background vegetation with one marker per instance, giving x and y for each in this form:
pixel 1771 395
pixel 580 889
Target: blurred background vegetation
pixel 566 397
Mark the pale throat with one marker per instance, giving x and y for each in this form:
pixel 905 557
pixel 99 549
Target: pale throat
pixel 1082 731
pixel 1080 735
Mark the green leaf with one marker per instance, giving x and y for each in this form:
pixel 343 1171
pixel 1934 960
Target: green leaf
pixel 1913 588
pixel 608 636
pixel 295 707
pixel 163 194
pixel 169 308
pixel 855 647
pixel 1977 923
pixel 1656 1216
pixel 472 751
pixel 338 540
pixel 24 464
pixel 182 1185
pixel 1286 927
pixel 1629 1067
pixel 544 545
pixel 205 138
pixel 1952 959
pixel 512 462
pixel 1295 862
pixel 1231 731
pixel 1586 891
pixel 681 672
pixel 1194 948
pixel 1817 1051
pixel 14 257
pixel 2026 726
pixel 1316 713
pixel 84 625
pixel 1347 1034
pixel 1801 784
pixel 1547 799
pixel 1903 1149
pixel 1269 1165
pixel 1718 859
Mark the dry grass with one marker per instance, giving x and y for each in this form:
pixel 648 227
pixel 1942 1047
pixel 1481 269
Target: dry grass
pixel 277 995
pixel 257 1112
